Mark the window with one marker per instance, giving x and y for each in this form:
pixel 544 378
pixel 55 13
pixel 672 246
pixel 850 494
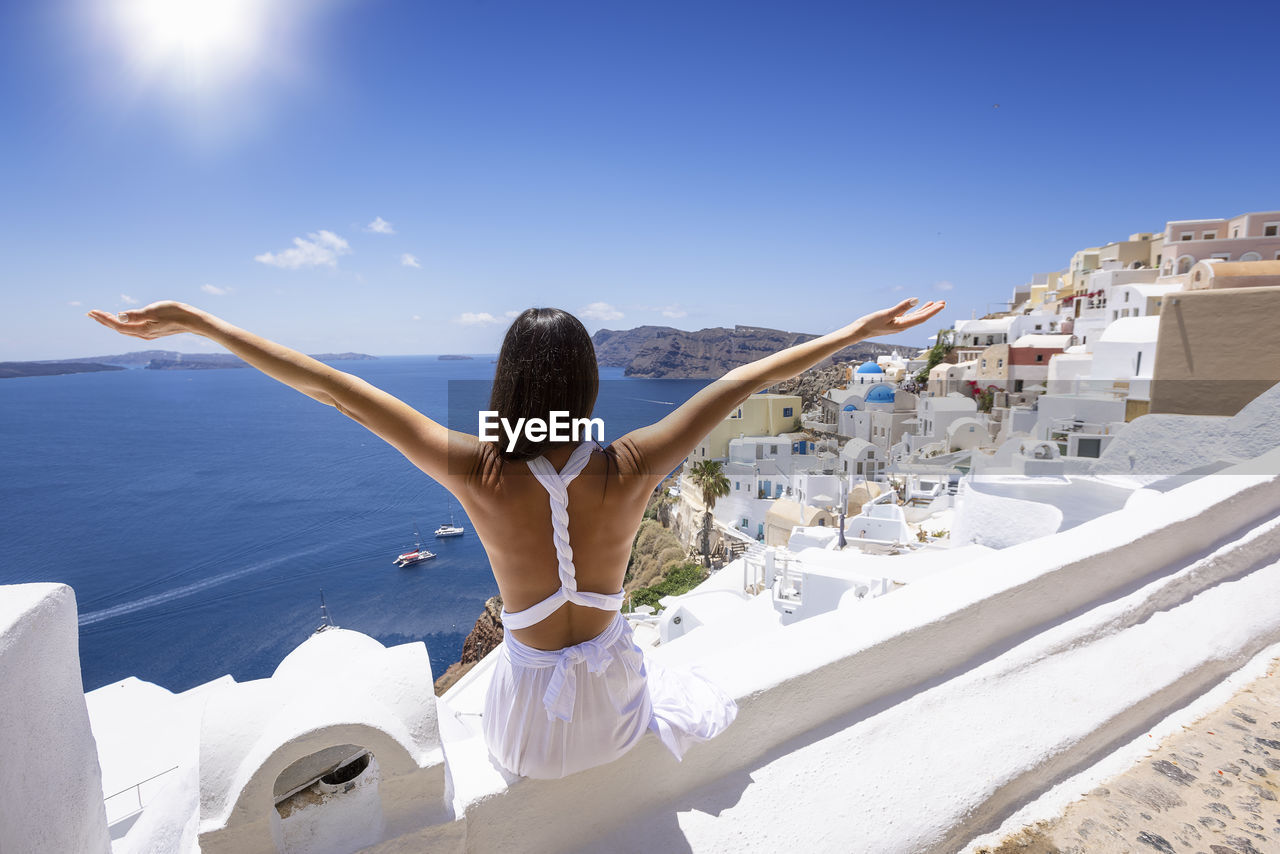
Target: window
pixel 999 363
pixel 1221 256
pixel 1271 229
pixel 773 450
pixel 1037 327
pixel 984 363
pixel 786 412
pixel 1235 232
pixel 737 485
pixel 1089 447
pixel 1039 357
pixel 1126 296
pixel 1187 236
pixel 1211 235
pixel 1138 367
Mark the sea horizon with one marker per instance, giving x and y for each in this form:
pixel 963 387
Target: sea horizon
pixel 197 515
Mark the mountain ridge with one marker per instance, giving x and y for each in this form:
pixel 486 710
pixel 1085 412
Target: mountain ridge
pixel 657 352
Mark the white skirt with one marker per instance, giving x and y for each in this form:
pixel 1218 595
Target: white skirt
pixel 551 713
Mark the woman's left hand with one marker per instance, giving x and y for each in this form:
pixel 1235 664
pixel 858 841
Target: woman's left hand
pixel 153 321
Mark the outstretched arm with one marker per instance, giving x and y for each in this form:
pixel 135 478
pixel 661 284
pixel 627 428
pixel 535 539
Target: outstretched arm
pixel 446 455
pixel 659 448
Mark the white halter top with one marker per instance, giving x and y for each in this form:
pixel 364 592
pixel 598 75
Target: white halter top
pixel 557 486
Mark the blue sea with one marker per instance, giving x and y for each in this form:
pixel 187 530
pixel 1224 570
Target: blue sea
pixel 199 514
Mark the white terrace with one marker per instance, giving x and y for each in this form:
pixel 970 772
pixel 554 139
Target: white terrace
pixel 909 723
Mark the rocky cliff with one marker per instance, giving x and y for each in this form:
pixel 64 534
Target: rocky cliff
pixel 483 639
pixel 662 351
pixel 812 384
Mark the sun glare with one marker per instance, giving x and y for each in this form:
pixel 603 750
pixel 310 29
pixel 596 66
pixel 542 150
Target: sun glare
pixel 192 44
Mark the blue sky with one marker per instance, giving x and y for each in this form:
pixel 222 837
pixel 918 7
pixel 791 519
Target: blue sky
pixel 691 164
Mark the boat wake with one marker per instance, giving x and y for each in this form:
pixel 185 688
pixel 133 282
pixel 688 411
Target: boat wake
pixel 189 589
pixel 663 402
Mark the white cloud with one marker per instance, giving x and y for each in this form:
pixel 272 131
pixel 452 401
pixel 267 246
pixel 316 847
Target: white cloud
pixel 476 318
pixel 215 290
pixel 75 302
pixel 513 314
pixel 944 286
pixel 380 226
pixel 318 249
pixel 897 288
pixel 601 311
pixel 417 317
pixel 408 260
pixel 672 311
pixel 128 300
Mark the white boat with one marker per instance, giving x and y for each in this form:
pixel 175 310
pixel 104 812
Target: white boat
pixel 417 555
pixel 451 529
pixel 326 622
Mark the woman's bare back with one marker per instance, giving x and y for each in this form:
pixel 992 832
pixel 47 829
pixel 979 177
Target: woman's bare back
pixel 511 513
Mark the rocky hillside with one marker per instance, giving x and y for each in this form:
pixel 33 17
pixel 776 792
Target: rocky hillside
pixel 483 639
pixel 812 384
pixel 661 351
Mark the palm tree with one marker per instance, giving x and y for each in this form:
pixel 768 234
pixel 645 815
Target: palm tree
pixel 709 477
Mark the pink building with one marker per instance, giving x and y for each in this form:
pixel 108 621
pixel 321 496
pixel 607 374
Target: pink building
pixel 1248 237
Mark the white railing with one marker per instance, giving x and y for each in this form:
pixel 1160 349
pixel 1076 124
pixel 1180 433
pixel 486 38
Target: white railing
pixel 1074 425
pixel 123 803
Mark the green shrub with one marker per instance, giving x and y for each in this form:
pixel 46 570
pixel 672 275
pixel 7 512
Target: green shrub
pixel 681 577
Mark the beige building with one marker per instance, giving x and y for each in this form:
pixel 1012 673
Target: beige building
pixel 1208 275
pixel 786 514
pixel 993 366
pixel 1217 350
pixel 1139 251
pixel 944 378
pixel 1042 285
pixel 762 414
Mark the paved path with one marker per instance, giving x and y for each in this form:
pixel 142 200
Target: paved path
pixel 1213 788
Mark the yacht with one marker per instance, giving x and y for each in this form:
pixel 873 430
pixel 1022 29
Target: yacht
pixel 418 555
pixel 451 529
pixel 326 622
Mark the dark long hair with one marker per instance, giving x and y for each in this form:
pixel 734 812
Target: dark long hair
pixel 547 363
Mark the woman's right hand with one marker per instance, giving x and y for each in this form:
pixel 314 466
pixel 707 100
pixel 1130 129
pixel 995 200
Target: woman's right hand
pixel 153 321
pixel 889 321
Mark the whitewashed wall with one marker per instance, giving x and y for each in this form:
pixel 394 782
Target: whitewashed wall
pixel 50 783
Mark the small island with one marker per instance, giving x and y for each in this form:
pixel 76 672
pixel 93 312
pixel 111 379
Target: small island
pixel 453 358
pixel 9 370
pixel 151 360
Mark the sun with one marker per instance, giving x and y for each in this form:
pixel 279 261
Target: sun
pixel 191 44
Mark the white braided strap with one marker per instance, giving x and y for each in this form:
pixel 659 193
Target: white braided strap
pixel 557 485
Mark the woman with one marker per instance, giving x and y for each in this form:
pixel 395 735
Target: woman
pixel 570 688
